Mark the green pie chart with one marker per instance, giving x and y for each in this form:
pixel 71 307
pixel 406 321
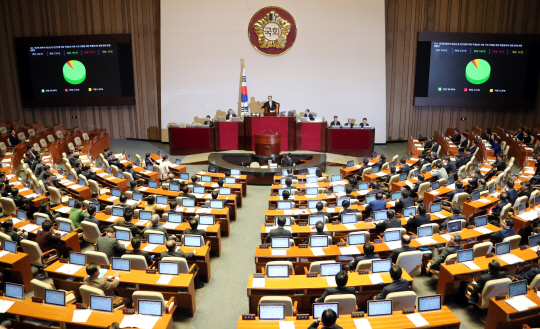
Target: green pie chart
pixel 74 72
pixel 477 71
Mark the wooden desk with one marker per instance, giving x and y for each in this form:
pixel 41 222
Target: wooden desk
pixel 450 276
pixel 109 180
pixel 221 216
pixel 303 289
pixel 447 146
pixel 142 172
pixel 519 222
pixel 437 319
pixel 414 146
pixel 181 286
pixel 229 135
pixel 502 316
pixel 62 147
pixel 240 179
pixel 190 140
pixel 354 142
pixel 21 270
pixel 301 178
pixel 473 207
pixel 311 136
pixel 75 190
pixel 97 147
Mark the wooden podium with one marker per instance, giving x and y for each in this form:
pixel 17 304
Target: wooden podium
pixel 267 145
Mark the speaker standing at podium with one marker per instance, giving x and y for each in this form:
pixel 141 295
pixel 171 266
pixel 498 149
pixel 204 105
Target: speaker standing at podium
pixel 269 106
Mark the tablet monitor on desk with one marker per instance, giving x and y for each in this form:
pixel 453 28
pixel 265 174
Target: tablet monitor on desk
pixel 522 208
pixel 339 189
pixel 55 297
pixel 350 163
pixel 396 196
pixel 199 189
pixel 174 187
pixel 284 172
pixel 175 217
pixel 101 303
pixel 380 215
pixel 454 226
pixel 120 175
pixel 287 221
pixel 162 199
pixel 194 241
pixel 435 207
pixel 536 199
pixel 40 219
pixel 435 185
pixel 362 186
pixel 450 180
pixel 380 266
pixel 429 303
pixel 224 191
pixel 184 176
pixel 465 255
pixel 534 240
pixel 230 180
pixel 281 190
pixel 21 214
pixel 14 290
pixel 206 179
pixel 144 215
pixel 312 191
pixel 330 269
pixel 70 177
pixel 118 211
pixel 152 184
pixel 312 180
pixel 312 204
pixel 379 307
pixel 64 227
pixel 10 246
pixel 481 221
pixel 121 264
pixel 71 203
pixel 424 231
pixel 277 271
pixel 271 312
pixel 392 235
pixel 428 168
pixel 122 235
pixel 319 308
pixel 517 288
pixel 150 307
pixel 284 205
pixel 375 169
pixel 340 200
pixel 280 242
pixel 370 198
pixel 318 241
pixel 312 171
pixel 349 218
pixel 282 180
pixel 313 219
pixel 156 238
pixel 77 258
pixel 410 211
pixel 188 202
pixel 402 177
pixel 169 268
pixel 39 191
pixel 356 239
pixel 475 195
pixel 336 178
pixel 137 196
pixel 208 220
pixel 502 248
pixel 216 204
pixel 235 171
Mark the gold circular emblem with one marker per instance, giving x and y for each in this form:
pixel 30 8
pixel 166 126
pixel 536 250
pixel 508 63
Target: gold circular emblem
pixel 272 31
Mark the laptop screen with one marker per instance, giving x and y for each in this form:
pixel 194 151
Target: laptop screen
pixel 282 180
pixel 410 211
pixel 348 218
pixel 230 180
pixel 475 195
pixel 396 196
pixel 534 240
pixel 101 303
pixel 370 198
pixel 77 258
pixel 502 248
pixel 122 235
pixel 454 226
pixel 362 186
pixel 313 219
pixel 435 207
pixel 330 269
pixel 277 271
pixel 435 185
pixel 206 179
pixel 64 226
pixel 340 201
pixel 21 214
pixel 174 187
pixel 184 176
pixel 216 204
pixel 168 268
pixel 287 221
pixel 429 303
pixel 375 169
pixel 312 191
pixel 150 307
pixel 335 178
pixel 121 264
pixel 71 203
pixel 175 218
pixel 312 180
pixel 198 189
pixel 517 288
pixel 70 177
pixel 152 184
pixel 281 190
pixel 402 177
pixel 14 290
pixel 355 239
pixel 40 220
pixel 425 231
pixel 339 189
pixel 350 163
pixel 313 170
pixel 380 215
pixel 224 191
pixel 284 205
pixel 271 312
pixel 116 192
pixel 145 214
pixel 318 241
pixel 55 297
pixel 319 308
pixel 187 202
pixel 118 211
pixel 137 196
pixel 392 235
pixel 481 221
pixel 192 240
pixel 466 255
pixel 235 171
pixel 379 307
pixel 379 266
pixel 206 220
pixel 450 180
pixel 536 199
pixel 162 199
pixel 280 242
pixel 10 246
pixel 156 238
pixel 119 175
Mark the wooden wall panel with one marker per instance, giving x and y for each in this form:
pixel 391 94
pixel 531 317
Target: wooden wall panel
pixel 404 19
pixel 34 18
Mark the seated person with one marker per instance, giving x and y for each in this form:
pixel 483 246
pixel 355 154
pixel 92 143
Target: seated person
pixel 507 229
pixel 132 186
pixel 107 283
pixel 526 190
pixel 369 253
pixel 148 160
pixel 328 320
pixel 92 218
pixel 15 235
pixel 172 207
pixel 193 224
pixel 136 244
pixel 19 200
pixel 341 281
pixel 185 193
pixel 346 210
pixel 499 164
pixel 439 171
pixel 493 216
pixel 129 169
pixel 348 191
pixel 405 202
pixel 152 206
pixel 319 226
pixel 44 208
pixel 320 207
pixel 391 222
pixel 476 175
pixel 123 203
pixel 280 231
pixel 365 165
pixel 76 215
pixel 482 185
pixel 450 196
pixel 405 242
pixel 288 183
pixel 511 191
pixel 109 244
pixel 398 283
pixel 494 274
pixel 375 189
pixel 377 204
pixel 414 189
pixel 452 247
pixel 126 223
pixel 173 252
pixel 405 168
pixel 418 220
pixel 456 211
pixel 154 226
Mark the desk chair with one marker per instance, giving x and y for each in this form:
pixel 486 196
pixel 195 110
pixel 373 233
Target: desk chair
pixel 91 232
pixel 138 262
pixel 280 262
pixel 434 225
pixel 393 179
pixel 86 291
pixel 457 200
pixel 424 167
pixel 367 171
pixel 55 196
pixel 71 146
pixel 97 257
pixel 291 309
pixel 39 288
pixel 85 137
pixel 4 237
pixel 78 142
pixel 491 289
pixel 8 207
pixel 31 133
pixel 421 190
pixel 481 249
pixel 168 307
pixel 114 170
pixel 436 272
pixel 364 265
pixel 533 196
pixel 347 302
pixel 410 262
pixel 402 299
pixel 50 138
pixel 183 265
pixel 535 283
pixel 519 200
pixel 514 241
pixel 128 177
pixel 143 164
pixel 385 166
pixel 37 258
pixel 498 181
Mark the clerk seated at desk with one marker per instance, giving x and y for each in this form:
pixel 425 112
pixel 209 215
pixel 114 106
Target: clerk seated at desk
pixel 319 226
pixel 369 253
pixel 349 123
pixel 438 259
pixel 405 202
pixel 129 169
pixel 320 206
pixel 230 115
pixel 328 320
pixel 391 222
pixel 493 217
pixel 450 196
pixel 377 204
pixel 405 242
pixel 364 123
pixel 154 226
pixel 346 210
pixel 495 273
pixel 307 114
pixel 507 229
pixel 209 122
pixel 279 231
pixel 341 281
pixel 126 223
pixel 172 252
pixel 456 211
pixel 398 283
pixel 335 122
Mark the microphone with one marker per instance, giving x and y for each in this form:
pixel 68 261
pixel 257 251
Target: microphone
pixel 263 131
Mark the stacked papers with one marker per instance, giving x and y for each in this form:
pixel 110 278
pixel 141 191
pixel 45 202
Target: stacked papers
pixel 139 321
pixel 349 250
pixel 164 279
pixel 317 251
pixel 68 268
pixel 426 240
pixel 5 305
pixel 150 247
pixel 112 218
pixel 484 200
pixel 394 244
pixel 64 210
pixel 511 259
pixel 417 319
pixel 376 278
pixel 331 281
pixel 279 252
pixel 438 214
pixel 520 303
pixel 483 230
pixel 529 215
pixel 29 227
pixel 81 315
pixel 447 237
pixel 258 283
pixel 471 265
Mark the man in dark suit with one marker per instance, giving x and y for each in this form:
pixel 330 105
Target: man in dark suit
pixel 109 245
pixel 369 253
pixel 269 106
pixel 457 137
pixel 423 160
pixel 341 281
pixel 29 159
pixel 405 202
pixel 474 147
pixel 364 123
pixel 507 229
pixel 88 173
pixel 349 123
pixel 47 182
pixel 136 244
pixel 365 162
pixel 398 283
pixel 458 189
pixel 112 160
pixel 280 231
pixel 230 115
pixel 15 235
pixel 405 242
pixel 482 185
pixel 405 168
pixel 346 210
pixel 185 193
pixel 391 222
pixel 421 180
pixel 377 204
pixel 449 166
pixel 172 252
pixel 335 122
pixel 3 191
pixel 427 145
pixel 392 174
pixel 496 146
pixel 418 220
pixel 126 222
pixel 464 142
pixel 320 207
pixel 526 190
pixel 519 135
pixel 39 164
pixel 375 189
pixel 93 219
pixel 477 174
pixel 288 161
pixel 456 211
pixel 496 211
pixel 123 203
pixel 19 200
pixel 460 162
pixel 307 114
pixel 494 274
pixel 155 227
pixel 319 226
pixel 129 169
pixel 435 147
pixel 13 139
pixel 71 158
pixel 528 275
pixel 209 122
pixel 500 164
pixel 511 191
pixel 438 259
pixel 148 160
pixel 193 224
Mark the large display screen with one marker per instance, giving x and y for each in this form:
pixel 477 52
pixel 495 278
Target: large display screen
pixel 76 70
pixel 476 70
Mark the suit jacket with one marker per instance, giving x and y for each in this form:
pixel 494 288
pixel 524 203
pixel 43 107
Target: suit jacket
pixel 405 169
pixel 404 203
pixel 519 135
pixel 90 175
pixel 512 195
pixel 375 205
pixel 110 246
pixel 428 144
pixel 479 286
pixel 391 223
pixel 142 253
pixel 133 174
pixel 347 211
pixel 435 148
pixel 321 213
pixel 416 186
pixel 396 286
pixel 529 275
pixel 13 235
pixel 337 291
pixel 473 149
pixel 96 221
pixel 271 108
pixel 436 265
pixel 361 124
pixel 499 236
pixel 103 284
pixel 451 218
pixel 456 138
pixel 474 180
pixel 228 116
pixel 451 167
pixel 19 200
pixel 397 251
pixel 361 170
pixel 148 162
pixel 195 232
pixel 354 263
pixel 464 143
pixel 157 228
pixel 314 325
pixel 72 160
pixel 209 123
pixel 335 123
pixel 44 240
pixel 278 232
pixel 525 192
pixel 14 140
pixel 178 253
pixel 321 233
pixel 454 192
pixel 417 221
pixel 496 211
pixel 288 163
pixel 310 116
pixel 38 169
